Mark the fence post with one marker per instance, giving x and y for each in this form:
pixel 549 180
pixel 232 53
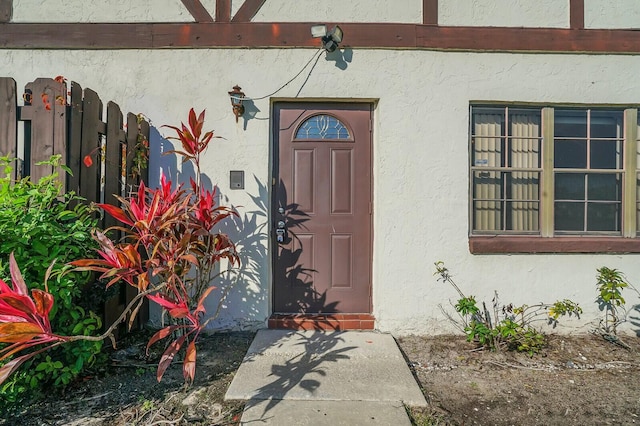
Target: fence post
pixel 8 119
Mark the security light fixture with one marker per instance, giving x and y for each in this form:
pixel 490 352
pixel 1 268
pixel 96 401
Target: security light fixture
pixel 237 97
pixel 318 30
pixel 330 39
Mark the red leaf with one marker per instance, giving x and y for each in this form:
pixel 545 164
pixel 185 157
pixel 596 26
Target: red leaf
pixel 43 301
pixel 168 355
pixel 89 264
pixel 189 364
pixel 116 212
pixel 161 334
pixel 47 106
pixel 18 304
pixel 162 301
pixel 12 332
pixel 179 312
pixel 200 307
pixel 19 285
pixel 193 123
pixel 87 161
pixel 7 369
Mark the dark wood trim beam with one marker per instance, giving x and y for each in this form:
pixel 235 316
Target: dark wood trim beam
pixel 576 14
pixel 240 35
pixel 248 10
pixel 430 12
pixel 223 10
pixel 6 10
pixel 76 36
pixel 527 39
pixel 288 34
pixel 508 244
pixel 197 10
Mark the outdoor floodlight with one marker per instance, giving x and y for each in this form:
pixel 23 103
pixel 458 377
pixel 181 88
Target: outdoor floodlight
pixel 318 31
pixel 331 39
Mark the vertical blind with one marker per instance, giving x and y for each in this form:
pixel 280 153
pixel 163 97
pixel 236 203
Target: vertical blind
pixel 506 163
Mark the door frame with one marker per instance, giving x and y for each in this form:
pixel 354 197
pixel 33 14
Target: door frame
pixel 273 179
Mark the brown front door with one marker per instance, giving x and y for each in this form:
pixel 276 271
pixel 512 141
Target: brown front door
pixel 322 208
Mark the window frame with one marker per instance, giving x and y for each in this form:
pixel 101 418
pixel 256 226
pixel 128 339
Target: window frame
pixel 547 240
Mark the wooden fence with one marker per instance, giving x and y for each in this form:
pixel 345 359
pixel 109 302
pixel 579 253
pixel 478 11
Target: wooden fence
pixel 54 120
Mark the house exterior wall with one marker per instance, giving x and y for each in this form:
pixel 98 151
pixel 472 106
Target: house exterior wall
pixel 420 148
pixel 100 11
pixel 341 11
pixel 612 14
pixel 504 13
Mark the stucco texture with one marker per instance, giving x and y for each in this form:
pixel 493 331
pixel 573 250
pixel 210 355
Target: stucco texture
pixel 101 11
pixel 504 13
pixel 420 156
pixel 611 14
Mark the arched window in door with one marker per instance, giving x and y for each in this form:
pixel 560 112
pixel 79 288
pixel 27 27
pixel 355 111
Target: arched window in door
pixel 322 126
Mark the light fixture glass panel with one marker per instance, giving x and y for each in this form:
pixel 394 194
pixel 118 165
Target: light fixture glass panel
pixel 336 34
pixel 318 30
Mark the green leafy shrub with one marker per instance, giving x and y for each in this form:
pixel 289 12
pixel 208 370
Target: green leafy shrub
pixel 509 326
pixel 38 225
pixel 610 284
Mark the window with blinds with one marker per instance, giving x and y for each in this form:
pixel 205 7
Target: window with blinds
pixel 553 171
pixel 505 168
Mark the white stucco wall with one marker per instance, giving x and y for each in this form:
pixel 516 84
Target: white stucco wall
pixel 420 156
pixel 611 14
pixel 504 13
pixel 408 11
pixel 103 11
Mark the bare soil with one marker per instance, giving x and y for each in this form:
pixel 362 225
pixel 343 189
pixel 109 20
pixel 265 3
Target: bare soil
pixel 577 380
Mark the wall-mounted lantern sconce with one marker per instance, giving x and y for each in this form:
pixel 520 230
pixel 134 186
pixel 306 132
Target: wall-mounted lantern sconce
pixel 237 97
pixel 330 39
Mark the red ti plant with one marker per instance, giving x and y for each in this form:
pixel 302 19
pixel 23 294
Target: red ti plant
pixel 24 321
pixel 174 229
pixel 169 253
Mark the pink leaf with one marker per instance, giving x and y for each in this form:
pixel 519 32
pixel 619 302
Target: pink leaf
pixel 168 355
pixel 8 369
pixel 162 301
pixel 16 277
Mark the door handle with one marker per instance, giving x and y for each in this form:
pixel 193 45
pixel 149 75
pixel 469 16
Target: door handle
pixel 280 231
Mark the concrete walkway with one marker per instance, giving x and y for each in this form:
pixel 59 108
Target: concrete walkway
pixel 324 378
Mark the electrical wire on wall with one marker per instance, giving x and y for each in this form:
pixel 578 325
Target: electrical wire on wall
pixel 315 56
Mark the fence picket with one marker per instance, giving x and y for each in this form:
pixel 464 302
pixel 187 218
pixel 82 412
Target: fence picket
pixel 90 171
pixel 74 153
pixel 75 131
pixel 48 132
pixel 113 155
pixel 8 118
